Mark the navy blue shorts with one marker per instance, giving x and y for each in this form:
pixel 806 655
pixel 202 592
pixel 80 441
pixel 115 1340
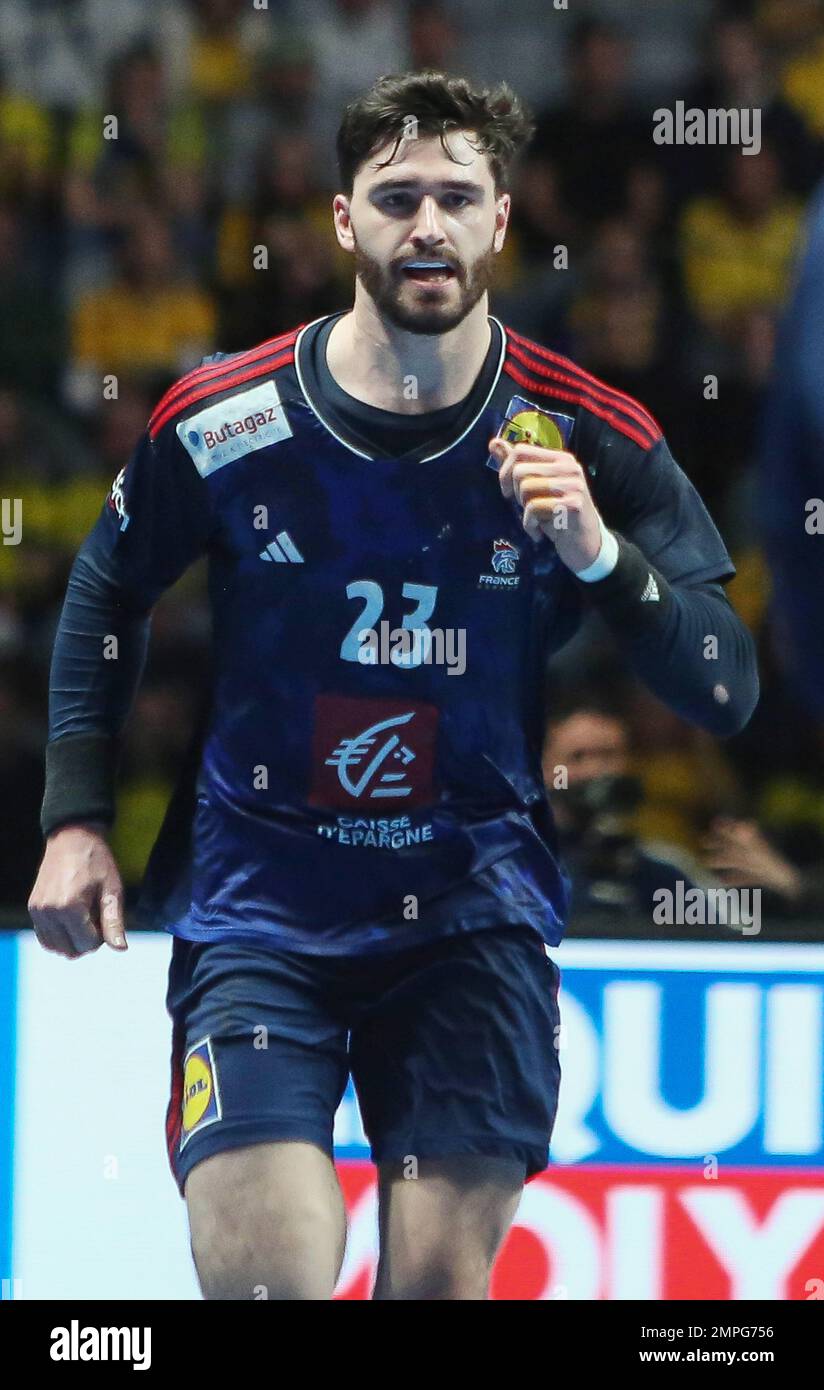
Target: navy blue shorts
pixel 452 1048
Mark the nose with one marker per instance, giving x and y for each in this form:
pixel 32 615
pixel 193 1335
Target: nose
pixel 428 230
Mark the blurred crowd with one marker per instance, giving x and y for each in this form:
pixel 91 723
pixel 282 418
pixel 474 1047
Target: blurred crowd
pixel 148 146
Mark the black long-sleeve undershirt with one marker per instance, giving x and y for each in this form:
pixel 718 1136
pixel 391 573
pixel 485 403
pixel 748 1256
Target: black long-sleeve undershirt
pixel 686 643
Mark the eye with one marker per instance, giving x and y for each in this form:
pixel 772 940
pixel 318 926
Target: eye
pixel 456 199
pixel 394 201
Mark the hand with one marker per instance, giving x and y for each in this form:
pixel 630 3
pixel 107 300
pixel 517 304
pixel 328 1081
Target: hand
pixel 740 855
pixel 551 487
pixel 77 900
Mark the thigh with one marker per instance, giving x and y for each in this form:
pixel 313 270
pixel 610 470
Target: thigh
pixel 441 1230
pixel 258 1054
pixel 266 1222
pixel 458 1052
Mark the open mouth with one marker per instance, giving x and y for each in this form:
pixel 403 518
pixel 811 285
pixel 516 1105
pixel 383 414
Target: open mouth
pixel 427 272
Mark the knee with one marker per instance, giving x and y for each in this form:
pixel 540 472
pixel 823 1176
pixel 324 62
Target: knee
pixel 227 1280
pixel 438 1277
pixel 232 1280
pixel 263 1240
pixel 269 1255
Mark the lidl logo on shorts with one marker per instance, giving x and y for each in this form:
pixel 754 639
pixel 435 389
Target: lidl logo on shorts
pixel 526 423
pixel 234 427
pixel 201 1093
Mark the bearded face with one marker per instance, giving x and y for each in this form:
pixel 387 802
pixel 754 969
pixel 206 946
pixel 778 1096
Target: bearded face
pixel 421 298
pixel 424 223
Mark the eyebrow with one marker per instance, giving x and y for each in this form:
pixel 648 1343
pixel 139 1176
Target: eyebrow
pixel 462 185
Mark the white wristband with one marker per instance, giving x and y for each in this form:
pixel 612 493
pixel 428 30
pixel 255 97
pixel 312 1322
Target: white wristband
pixel 606 560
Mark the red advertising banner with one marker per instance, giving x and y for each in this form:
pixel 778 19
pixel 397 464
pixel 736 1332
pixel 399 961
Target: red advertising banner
pixel 646 1233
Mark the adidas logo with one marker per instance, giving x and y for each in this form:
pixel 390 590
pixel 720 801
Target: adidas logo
pixel 282 549
pixel 650 594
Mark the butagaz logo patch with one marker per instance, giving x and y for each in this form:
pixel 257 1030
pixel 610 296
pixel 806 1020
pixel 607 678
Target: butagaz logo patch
pixel 116 501
pixel 234 427
pixel 505 557
pixel 201 1094
pixel 650 594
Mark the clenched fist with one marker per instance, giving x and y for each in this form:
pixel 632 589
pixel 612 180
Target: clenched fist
pixel 77 901
pixel 552 488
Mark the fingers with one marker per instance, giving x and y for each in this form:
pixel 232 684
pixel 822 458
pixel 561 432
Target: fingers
pixel 70 931
pixel 503 453
pixel 111 919
pixel 52 936
pixel 66 929
pixel 740 838
pixel 77 901
pixel 543 512
pixel 502 448
pixel 522 462
pixel 81 930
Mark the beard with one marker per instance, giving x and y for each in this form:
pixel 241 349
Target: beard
pixel 431 315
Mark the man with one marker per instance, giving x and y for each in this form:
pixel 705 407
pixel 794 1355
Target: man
pixel 594 796
pixel 361 847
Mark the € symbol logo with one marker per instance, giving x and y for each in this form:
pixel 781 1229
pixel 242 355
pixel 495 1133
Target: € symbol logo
pixel 367 753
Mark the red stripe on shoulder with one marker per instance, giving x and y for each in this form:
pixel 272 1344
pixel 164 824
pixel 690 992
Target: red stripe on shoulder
pixel 549 365
pixel 210 377
pixel 578 398
pixel 544 360
pixel 235 379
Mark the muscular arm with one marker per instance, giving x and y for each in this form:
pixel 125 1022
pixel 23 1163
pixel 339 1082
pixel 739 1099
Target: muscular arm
pixel 98 659
pixel 135 551
pixel 688 644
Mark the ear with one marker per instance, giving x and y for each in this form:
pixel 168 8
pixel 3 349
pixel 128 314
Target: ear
pixel 343 222
pixel 502 207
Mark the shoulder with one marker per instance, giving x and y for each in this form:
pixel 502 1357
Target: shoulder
pixel 221 376
pixel 549 375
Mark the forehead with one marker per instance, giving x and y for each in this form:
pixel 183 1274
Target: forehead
pixel 589 727
pixel 424 159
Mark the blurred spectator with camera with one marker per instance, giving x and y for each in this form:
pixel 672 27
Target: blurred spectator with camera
pixel 595 795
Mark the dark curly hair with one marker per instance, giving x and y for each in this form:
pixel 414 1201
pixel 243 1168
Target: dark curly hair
pixel 439 103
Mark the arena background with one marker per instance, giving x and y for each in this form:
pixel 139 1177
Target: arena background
pixel 689 1153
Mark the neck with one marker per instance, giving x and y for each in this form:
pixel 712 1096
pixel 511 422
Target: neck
pixel 410 373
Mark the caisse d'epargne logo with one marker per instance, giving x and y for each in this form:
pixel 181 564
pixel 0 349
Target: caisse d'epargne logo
pixel 375 753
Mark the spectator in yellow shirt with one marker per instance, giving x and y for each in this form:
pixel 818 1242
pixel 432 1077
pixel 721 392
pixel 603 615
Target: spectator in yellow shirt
pixel 26 143
pixel 150 320
pixel 738 248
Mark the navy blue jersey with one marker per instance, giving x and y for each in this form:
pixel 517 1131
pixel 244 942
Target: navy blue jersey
pixel 358 784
